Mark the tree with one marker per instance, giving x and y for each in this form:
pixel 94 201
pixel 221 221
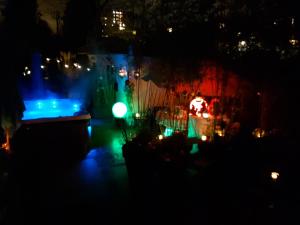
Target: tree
pixel 16 43
pixel 81 22
pixel 52 11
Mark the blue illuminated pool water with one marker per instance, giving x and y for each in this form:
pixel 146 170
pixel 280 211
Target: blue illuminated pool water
pixel 50 108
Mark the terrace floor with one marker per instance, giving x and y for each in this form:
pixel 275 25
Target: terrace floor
pixel 233 189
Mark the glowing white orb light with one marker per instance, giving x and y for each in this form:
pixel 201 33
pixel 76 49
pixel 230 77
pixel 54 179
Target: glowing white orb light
pixel 160 137
pixel 119 110
pixel 274 175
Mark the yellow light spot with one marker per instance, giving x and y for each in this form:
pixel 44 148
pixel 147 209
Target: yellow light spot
pixel 6 145
pixel 243 43
pixel 205 115
pixel 293 41
pixel 220 132
pixel 274 175
pixel 170 29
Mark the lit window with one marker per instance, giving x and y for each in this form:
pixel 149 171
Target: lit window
pixel 118 19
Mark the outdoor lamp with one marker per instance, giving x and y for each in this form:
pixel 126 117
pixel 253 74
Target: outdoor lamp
pixel 119 110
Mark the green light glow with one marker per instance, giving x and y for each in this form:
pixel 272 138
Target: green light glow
pixel 119 110
pixel 168 132
pixel 195 149
pixel 116 147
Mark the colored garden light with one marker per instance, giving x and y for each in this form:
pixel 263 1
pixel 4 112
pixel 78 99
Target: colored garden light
pixel 204 138
pixel 137 115
pixel 168 132
pixel 119 110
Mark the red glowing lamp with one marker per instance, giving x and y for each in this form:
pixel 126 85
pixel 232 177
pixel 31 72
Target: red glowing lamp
pixel 198 106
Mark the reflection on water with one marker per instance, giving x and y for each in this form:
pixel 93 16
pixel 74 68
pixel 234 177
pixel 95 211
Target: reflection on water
pixel 89 130
pixel 90 167
pixel 98 161
pixel 116 147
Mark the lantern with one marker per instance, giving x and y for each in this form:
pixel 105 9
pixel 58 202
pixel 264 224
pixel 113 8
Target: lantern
pixel 198 106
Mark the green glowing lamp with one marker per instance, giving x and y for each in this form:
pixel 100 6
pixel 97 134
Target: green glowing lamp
pixel 168 132
pixel 119 110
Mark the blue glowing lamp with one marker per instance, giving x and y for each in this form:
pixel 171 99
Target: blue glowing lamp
pixel 119 110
